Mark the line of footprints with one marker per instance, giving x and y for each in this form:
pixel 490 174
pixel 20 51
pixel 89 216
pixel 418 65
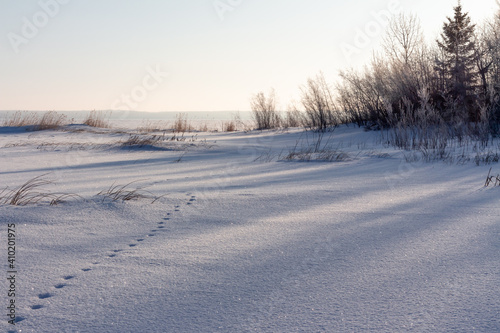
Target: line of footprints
pixel 114 253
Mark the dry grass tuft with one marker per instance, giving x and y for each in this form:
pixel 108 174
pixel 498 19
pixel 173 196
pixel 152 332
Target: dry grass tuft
pixel 50 120
pixel 125 193
pixel 229 126
pixel 203 128
pixel 492 180
pixel 324 155
pixel 181 123
pixel 140 141
pixel 31 193
pixel 37 121
pixel 21 119
pixel 148 126
pixel 97 119
pixel 316 149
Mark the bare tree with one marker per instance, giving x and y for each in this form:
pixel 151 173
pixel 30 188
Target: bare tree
pixel 404 38
pixel 409 63
pixel 485 52
pixel 488 66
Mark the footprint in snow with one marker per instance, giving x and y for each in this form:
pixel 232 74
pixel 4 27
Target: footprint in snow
pixel 44 295
pixel 69 277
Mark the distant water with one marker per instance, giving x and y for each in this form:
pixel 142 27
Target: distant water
pixel 213 119
pixel 140 115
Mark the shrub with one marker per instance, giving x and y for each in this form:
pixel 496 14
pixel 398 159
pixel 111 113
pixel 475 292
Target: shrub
pixel 319 105
pixel 292 118
pixel 264 110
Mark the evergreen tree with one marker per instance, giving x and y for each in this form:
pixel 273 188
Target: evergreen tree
pixel 457 65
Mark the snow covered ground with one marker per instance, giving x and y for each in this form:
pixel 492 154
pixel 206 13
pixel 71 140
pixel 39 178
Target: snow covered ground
pixel 242 240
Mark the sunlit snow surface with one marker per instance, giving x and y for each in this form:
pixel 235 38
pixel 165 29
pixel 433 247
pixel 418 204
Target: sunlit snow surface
pixel 241 241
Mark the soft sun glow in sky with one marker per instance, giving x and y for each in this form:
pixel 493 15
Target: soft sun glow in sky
pixel 189 55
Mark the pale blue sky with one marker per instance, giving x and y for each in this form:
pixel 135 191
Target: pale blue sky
pixel 114 54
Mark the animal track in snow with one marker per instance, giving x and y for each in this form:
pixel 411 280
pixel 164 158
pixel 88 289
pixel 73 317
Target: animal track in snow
pixel 44 295
pixel 152 233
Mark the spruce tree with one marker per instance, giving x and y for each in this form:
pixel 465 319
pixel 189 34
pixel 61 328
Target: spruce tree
pixel 458 63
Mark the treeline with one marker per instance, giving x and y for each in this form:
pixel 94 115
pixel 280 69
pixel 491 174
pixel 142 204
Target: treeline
pixel 453 83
